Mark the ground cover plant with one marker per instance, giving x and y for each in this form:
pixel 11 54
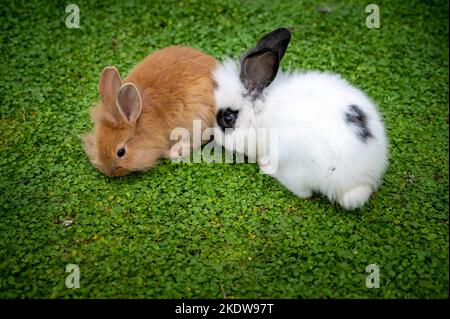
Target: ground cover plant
pixel 217 230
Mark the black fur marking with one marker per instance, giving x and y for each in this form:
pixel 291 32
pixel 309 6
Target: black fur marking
pixel 226 118
pixel 253 96
pixel 358 118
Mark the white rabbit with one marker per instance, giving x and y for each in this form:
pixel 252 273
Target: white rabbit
pixel 331 138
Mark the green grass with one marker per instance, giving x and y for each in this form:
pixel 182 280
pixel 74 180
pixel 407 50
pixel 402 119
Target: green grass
pixel 198 230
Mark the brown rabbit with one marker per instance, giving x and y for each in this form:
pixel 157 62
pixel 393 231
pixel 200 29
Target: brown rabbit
pixel 133 119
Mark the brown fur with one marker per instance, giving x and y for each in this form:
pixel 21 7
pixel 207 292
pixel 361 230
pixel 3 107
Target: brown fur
pixel 174 87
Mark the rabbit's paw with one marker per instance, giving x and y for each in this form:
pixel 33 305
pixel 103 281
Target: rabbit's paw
pixel 355 197
pixel 179 152
pixel 266 166
pixel 303 192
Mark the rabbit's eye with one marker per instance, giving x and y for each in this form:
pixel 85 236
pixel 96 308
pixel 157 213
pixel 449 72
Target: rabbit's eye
pixel 227 118
pixel 121 152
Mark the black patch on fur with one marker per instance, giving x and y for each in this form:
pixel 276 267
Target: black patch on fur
pixel 358 118
pixel 226 118
pixel 253 96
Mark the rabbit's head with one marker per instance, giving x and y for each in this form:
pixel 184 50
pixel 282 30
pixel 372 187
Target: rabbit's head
pixel 240 90
pixel 114 147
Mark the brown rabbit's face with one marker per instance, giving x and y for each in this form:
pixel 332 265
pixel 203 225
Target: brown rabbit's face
pixel 113 147
pixel 108 150
pixel 118 151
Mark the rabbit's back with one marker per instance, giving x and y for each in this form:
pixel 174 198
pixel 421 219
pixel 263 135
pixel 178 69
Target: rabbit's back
pixel 176 84
pixel 326 107
pixel 177 69
pixel 331 135
pixel 319 102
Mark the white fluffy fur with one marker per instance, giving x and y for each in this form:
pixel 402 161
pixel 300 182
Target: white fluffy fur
pixel 318 151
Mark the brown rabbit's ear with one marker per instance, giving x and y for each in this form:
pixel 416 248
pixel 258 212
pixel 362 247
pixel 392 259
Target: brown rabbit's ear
pixel 109 85
pixel 129 102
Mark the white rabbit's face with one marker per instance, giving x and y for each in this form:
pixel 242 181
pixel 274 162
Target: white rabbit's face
pixel 235 116
pixel 239 92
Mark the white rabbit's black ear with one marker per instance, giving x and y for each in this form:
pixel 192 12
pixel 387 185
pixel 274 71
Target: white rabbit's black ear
pixel 259 66
pixel 277 40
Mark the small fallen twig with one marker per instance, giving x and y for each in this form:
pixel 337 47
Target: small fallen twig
pixel 223 292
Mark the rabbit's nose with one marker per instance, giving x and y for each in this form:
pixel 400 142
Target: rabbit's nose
pixel 119 171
